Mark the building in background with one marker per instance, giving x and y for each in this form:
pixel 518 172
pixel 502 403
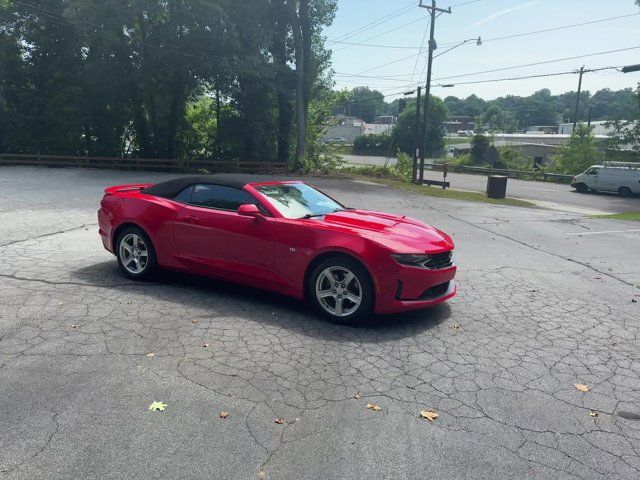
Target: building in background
pixel 597 128
pixel 460 122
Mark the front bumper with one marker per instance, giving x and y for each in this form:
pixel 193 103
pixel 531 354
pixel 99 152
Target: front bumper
pixel 412 288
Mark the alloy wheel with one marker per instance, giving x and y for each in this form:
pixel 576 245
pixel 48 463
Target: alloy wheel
pixel 338 291
pixel 134 254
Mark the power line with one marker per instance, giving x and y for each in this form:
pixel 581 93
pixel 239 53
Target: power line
pixel 383 33
pixel 540 63
pixel 525 77
pixel 424 37
pixel 524 34
pixel 370 25
pixel 494 39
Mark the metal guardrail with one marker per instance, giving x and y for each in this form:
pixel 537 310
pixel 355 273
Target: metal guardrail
pixel 556 177
pixel 153 164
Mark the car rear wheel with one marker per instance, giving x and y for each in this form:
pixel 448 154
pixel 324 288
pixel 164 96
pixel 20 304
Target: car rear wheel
pixel 582 188
pixel 135 253
pixel 624 191
pixel 342 290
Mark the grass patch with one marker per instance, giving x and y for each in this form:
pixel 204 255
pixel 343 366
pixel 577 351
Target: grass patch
pixel 634 216
pixel 457 140
pixel 386 176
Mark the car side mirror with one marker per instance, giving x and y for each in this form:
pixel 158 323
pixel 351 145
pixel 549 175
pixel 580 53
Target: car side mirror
pixel 249 210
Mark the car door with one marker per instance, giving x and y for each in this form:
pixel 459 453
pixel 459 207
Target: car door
pixel 592 179
pixel 212 237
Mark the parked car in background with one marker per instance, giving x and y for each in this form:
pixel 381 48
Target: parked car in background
pixel 620 177
pixel 337 140
pixel 284 236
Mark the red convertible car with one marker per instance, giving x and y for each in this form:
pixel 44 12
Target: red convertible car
pixel 284 236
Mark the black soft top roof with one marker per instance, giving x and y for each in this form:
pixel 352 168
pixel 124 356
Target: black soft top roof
pixel 171 188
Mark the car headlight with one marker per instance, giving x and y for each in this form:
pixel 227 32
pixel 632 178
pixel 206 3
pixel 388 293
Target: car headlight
pixel 416 259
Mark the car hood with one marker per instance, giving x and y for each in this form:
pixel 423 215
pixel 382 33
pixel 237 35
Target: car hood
pixel 399 233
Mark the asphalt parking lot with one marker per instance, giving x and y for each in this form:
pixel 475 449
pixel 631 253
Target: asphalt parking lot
pixel 546 302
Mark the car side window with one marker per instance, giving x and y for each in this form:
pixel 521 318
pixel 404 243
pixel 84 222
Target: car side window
pixel 220 197
pixel 592 171
pixel 184 196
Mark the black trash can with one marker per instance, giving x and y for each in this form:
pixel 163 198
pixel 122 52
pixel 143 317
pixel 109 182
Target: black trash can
pixel 497 186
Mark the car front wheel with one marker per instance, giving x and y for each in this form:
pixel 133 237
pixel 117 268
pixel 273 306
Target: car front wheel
pixel 135 253
pixel 342 290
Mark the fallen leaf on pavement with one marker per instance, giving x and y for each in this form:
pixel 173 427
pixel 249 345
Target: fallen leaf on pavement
pixel 593 413
pixel 74 326
pixel 151 354
pixel 581 387
pixel 205 345
pixel 157 406
pixel 224 414
pixel 262 475
pixel 279 421
pixel 194 321
pixel 357 396
pixel 429 415
pixel 456 326
pixel 374 407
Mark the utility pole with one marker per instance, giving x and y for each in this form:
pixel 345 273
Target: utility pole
pixel 416 138
pixel 575 117
pixel 432 46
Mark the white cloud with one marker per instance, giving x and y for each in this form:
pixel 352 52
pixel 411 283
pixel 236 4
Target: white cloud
pixel 501 13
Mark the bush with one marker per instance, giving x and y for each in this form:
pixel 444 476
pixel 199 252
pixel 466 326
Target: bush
pixel 373 145
pixel 404 166
pixel 580 152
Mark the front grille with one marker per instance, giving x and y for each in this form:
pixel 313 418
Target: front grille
pixel 439 261
pixel 435 292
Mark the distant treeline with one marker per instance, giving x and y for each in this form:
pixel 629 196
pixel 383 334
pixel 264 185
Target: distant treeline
pixel 201 78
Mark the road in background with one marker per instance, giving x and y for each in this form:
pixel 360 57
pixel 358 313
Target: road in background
pixel 547 194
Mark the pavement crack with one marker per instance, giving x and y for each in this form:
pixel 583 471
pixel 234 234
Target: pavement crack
pixel 50 234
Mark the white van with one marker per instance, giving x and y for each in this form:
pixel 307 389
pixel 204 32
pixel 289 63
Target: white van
pixel 621 177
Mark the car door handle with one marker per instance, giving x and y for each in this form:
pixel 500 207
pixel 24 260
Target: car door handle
pixel 192 220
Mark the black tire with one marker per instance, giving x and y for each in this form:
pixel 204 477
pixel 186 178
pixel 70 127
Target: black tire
pixel 362 287
pixel 145 270
pixel 582 188
pixel 624 191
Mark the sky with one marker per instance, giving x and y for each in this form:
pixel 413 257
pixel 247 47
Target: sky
pixel 401 24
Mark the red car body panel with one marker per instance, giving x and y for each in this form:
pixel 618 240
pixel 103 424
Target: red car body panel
pixel 275 253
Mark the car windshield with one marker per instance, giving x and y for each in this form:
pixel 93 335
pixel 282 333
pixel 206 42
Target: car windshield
pixel 298 200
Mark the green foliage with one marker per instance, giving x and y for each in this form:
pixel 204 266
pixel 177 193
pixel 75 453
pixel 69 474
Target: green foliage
pixel 511 113
pixel 404 130
pixel 374 145
pixel 479 146
pixel 624 141
pixel 404 166
pixel 512 158
pixel 580 152
pixel 110 78
pixel 364 103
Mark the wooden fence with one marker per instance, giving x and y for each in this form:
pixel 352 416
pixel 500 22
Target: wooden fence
pixel 152 164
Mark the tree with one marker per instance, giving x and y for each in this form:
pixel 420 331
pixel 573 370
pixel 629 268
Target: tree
pixel 404 130
pixel 580 152
pixel 479 146
pixel 364 103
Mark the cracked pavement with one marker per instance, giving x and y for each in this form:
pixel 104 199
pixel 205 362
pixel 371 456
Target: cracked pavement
pixel 540 309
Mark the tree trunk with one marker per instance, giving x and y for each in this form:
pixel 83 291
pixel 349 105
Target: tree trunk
pixel 284 87
pixel 301 118
pixel 174 115
pixel 307 34
pixel 140 124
